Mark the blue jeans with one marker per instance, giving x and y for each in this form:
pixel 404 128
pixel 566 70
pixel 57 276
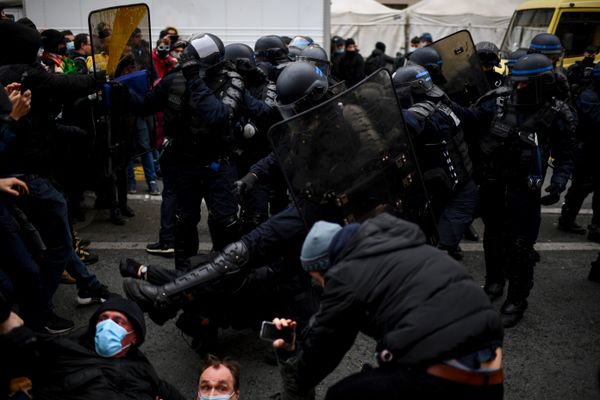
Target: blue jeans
pixel 46 208
pixel 147 158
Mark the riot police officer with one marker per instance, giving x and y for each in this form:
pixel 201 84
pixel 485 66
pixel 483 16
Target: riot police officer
pixel 202 101
pixel 271 55
pixel 253 144
pixel 488 57
pixel 317 56
pixel 443 154
pixel 281 235
pixel 550 46
pixel 526 124
pixel 581 73
pixel 586 178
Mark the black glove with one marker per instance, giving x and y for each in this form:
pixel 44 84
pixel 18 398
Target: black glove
pixel 243 185
pixel 553 195
pixel 191 67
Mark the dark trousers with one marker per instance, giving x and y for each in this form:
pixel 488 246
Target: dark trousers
pixel 457 216
pixel 194 183
pixel 511 216
pixel 20 276
pixel 397 382
pixel 168 205
pixel 584 181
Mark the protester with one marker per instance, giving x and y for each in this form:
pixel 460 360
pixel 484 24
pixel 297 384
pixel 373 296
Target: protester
pixel 219 379
pixel 351 67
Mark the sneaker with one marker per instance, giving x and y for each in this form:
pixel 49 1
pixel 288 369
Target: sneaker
pixel 129 268
pixel 67 279
pixel 153 189
pixel 160 249
pixel 56 325
pixel 87 257
pixel 131 189
pixel 93 296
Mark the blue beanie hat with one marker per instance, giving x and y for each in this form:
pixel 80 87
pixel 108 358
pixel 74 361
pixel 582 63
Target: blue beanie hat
pixel 315 250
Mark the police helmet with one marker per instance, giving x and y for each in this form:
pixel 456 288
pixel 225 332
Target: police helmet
pixel 300 86
pixel 414 82
pixel 430 59
pixel 514 56
pixel 488 53
pixel 426 56
pixel 294 52
pixel 547 44
pixel 301 42
pixel 206 48
pixel 271 48
pixel 241 55
pixel 531 66
pixel 317 56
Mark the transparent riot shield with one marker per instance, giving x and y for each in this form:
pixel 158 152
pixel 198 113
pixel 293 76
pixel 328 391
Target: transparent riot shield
pixel 461 68
pixel 351 157
pixel 121 52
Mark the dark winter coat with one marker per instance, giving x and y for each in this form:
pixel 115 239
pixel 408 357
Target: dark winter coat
pixel 351 68
pixel 414 300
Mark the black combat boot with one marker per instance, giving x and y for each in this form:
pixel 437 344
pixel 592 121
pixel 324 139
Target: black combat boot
pixel 594 233
pixel 520 283
pixel 594 274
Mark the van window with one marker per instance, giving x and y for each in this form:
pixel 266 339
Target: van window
pixel 524 25
pixel 578 30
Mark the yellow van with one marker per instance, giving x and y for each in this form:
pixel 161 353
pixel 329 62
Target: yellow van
pixel 576 23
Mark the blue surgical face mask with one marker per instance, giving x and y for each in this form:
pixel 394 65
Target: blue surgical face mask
pixel 109 336
pixel 70 46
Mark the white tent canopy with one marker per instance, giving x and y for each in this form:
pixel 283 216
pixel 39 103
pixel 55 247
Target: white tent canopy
pixel 369 23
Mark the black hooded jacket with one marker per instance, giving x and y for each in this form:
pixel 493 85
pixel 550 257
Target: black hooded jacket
pixel 414 300
pixel 71 369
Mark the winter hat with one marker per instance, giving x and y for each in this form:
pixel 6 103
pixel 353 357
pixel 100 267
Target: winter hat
pixel 380 46
pixel 350 41
pixel 426 37
pixel 51 39
pixel 133 312
pixel 315 250
pixel 23 45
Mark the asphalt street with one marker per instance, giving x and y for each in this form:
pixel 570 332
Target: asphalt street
pixel 554 353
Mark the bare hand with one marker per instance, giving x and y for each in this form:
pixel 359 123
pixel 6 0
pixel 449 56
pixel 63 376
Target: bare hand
pixel 11 87
pixel 13 321
pixel 13 186
pixel 21 104
pixel 281 323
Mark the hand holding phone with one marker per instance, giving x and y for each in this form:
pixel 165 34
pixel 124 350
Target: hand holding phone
pixel 281 332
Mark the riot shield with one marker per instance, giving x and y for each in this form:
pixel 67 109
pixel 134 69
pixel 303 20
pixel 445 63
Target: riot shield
pixel 121 50
pixel 461 68
pixel 351 157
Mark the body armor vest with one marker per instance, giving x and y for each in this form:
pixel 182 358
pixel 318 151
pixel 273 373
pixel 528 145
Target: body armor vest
pixel 445 151
pixel 191 134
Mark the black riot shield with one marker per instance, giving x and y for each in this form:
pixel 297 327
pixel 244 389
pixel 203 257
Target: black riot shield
pixel 461 68
pixel 121 51
pixel 351 157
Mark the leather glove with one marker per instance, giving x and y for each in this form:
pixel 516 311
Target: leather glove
pixel 243 185
pixel 553 195
pixel 191 67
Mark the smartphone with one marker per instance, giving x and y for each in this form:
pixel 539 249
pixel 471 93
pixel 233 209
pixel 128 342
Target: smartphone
pixel 269 331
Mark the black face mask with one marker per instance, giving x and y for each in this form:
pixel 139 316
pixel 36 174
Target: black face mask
pixel 162 53
pixel 62 51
